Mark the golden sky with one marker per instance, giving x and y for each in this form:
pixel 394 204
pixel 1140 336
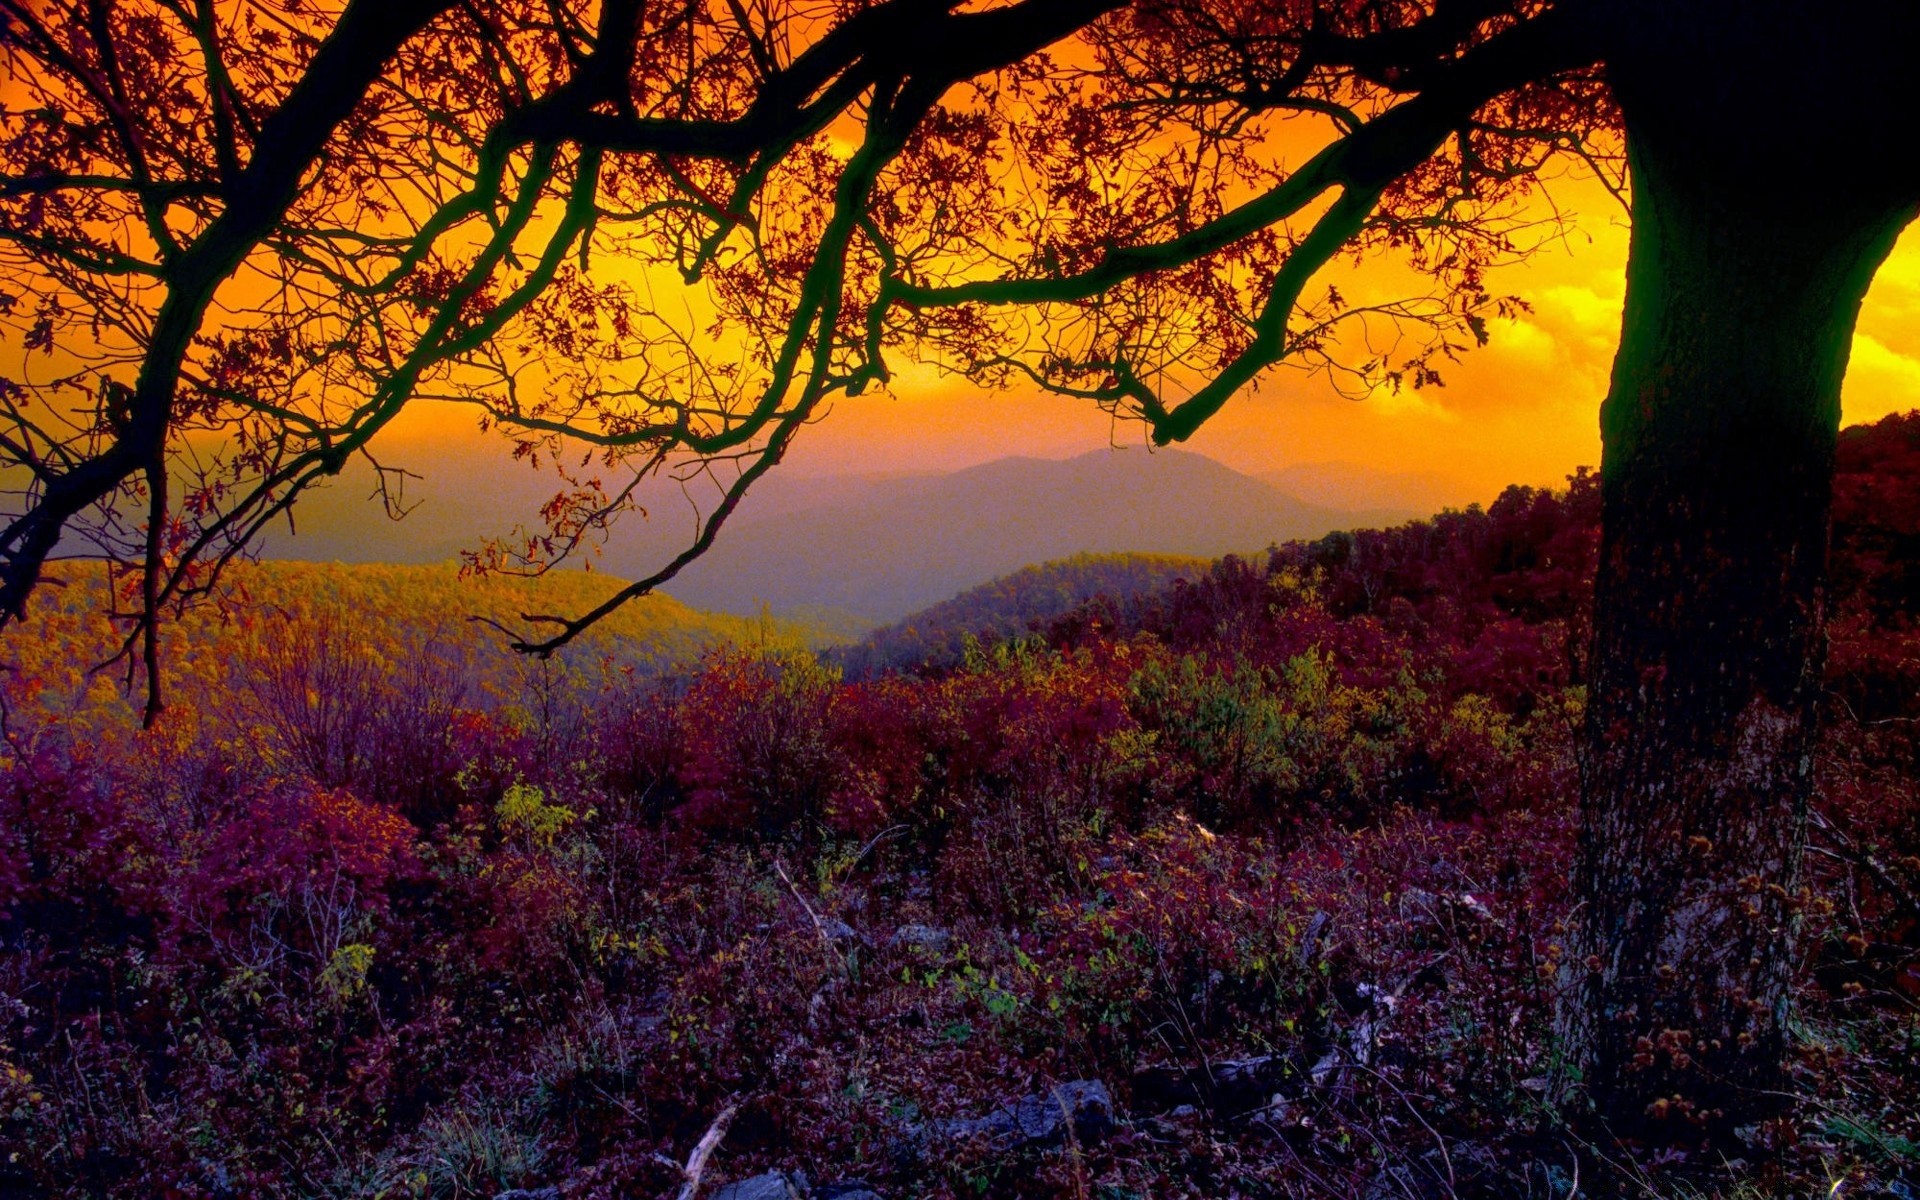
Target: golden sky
pixel 1524 409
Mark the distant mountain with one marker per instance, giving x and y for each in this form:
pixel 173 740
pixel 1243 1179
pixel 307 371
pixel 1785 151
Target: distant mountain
pixel 459 494
pixel 1393 496
pixel 1009 606
pixel 875 546
pixel 902 544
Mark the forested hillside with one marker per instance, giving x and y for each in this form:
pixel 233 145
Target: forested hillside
pixel 1254 885
pixel 286 642
pixel 1010 607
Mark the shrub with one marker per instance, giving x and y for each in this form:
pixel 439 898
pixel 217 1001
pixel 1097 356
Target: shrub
pixel 760 762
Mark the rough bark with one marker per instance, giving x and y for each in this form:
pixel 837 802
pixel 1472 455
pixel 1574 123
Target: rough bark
pixel 1749 259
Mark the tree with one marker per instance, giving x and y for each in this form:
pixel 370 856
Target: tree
pixel 242 238
pixel 1751 253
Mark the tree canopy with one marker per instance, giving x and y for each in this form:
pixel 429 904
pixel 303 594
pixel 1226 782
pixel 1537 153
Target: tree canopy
pixel 242 238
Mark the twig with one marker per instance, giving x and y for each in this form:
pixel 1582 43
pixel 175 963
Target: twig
pixel 1072 1139
pixel 867 849
pixel 819 926
pixel 1849 853
pixel 1446 1159
pixel 709 1142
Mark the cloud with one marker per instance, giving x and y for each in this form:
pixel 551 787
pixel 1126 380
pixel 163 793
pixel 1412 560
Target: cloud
pixel 1409 401
pixel 1524 344
pixel 1879 380
pixel 1590 312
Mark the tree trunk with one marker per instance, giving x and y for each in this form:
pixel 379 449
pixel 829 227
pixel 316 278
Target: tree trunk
pixel 1719 432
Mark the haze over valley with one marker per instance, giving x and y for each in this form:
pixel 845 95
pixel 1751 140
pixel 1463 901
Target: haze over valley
pixel 876 547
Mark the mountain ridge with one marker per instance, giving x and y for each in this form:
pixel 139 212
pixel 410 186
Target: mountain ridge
pixel 875 546
pixel 916 541
pixel 1010 606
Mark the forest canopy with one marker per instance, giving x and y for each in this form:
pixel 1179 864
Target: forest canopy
pixel 638 240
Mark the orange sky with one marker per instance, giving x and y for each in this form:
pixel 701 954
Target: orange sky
pixel 1523 410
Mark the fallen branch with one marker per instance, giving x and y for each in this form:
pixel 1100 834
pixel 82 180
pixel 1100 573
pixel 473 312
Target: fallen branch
pixel 709 1142
pixel 819 926
pixel 1849 853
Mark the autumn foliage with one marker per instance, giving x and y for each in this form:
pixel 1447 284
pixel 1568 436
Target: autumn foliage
pixel 412 924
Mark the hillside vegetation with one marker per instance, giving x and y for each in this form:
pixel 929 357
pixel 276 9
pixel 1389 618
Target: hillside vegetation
pixel 1011 606
pixel 376 630
pixel 1254 885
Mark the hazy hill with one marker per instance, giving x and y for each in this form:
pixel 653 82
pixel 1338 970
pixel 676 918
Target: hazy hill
pixel 1011 605
pixel 905 543
pixel 875 546
pixel 467 491
pixel 400 618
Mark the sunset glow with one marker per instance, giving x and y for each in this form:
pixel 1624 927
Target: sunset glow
pixel 937 599
pixel 1524 409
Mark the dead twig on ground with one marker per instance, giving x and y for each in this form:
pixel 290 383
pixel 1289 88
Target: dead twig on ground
pixel 703 1150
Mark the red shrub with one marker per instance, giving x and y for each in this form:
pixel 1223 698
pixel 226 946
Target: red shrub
pixel 759 759
pixel 288 876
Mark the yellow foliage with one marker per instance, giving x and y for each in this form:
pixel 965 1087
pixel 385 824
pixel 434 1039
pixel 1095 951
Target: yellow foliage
pixel 524 813
pixel 379 620
pixel 345 975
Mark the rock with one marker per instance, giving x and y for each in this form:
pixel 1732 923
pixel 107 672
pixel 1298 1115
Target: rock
pixel 839 932
pixel 1423 909
pixel 1310 940
pixel 846 1189
pixel 219 1183
pixel 774 1185
pixel 1041 1120
pixel 1229 1086
pixel 545 1193
pixel 929 939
